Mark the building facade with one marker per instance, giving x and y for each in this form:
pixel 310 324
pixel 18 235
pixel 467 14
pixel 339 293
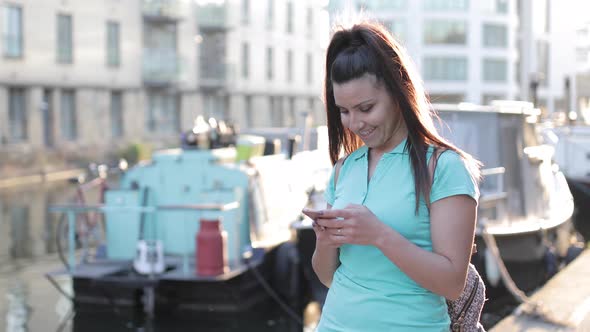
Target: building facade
pixel 81 80
pixel 478 51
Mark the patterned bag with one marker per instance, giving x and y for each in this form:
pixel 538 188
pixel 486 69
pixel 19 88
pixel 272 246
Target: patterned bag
pixel 466 310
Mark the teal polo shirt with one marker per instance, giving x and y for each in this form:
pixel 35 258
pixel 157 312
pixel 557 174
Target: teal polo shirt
pixel 368 291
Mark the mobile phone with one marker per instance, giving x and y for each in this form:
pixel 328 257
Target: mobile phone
pixel 313 214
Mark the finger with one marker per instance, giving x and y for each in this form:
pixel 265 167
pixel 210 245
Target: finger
pixel 335 213
pixel 330 223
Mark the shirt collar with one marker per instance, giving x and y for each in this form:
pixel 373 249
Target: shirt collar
pixel 399 149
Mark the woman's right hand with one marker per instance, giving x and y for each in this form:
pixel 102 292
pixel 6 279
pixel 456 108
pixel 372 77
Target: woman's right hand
pixel 325 236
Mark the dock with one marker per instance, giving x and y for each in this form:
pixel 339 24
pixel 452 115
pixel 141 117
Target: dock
pixel 562 304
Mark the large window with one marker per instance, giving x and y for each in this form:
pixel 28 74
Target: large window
pixel 113 42
pixel 64 39
pixel 245 60
pixel 17 115
pixel 163 114
pixel 117 114
pixel 495 70
pixel 445 68
pixel 68 116
pixel 495 35
pixel 445 32
pixel 446 5
pixel 269 63
pixel 12 31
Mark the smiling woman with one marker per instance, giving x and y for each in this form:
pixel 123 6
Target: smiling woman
pixel 396 239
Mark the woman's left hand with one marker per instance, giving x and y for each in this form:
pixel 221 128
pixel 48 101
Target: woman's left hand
pixel 356 224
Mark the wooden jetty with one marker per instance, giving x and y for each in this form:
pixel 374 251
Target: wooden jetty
pixel 563 304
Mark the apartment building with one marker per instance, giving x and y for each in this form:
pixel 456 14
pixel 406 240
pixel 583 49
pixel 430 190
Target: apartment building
pixel 478 51
pixel 83 79
pixel 261 61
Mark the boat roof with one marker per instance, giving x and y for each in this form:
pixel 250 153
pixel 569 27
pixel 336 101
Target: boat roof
pixel 496 106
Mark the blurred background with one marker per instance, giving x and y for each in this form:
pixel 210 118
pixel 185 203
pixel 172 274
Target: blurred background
pixel 94 81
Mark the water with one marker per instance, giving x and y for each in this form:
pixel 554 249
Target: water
pixel 27 252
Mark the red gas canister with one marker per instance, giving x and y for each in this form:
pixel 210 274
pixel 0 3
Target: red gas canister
pixel 211 258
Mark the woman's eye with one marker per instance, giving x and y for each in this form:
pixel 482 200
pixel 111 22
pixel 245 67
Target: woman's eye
pixel 342 111
pixel 366 109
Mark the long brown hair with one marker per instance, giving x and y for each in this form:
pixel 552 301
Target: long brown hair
pixel 368 48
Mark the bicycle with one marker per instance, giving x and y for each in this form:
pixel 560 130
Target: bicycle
pixel 90 226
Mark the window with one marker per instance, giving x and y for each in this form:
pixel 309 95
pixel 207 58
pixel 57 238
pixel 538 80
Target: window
pixel 64 39
pixel 68 117
pixel 245 60
pixel 543 60
pixel 291 121
pixel 163 115
pixel 270 8
pixel 113 50
pixel 289 66
pixel 495 70
pixel 397 28
pixel 269 64
pixel 248 111
pixel 495 35
pixel 494 6
pixel 245 12
pixel 445 32
pixel 380 5
pixel 12 31
pixel 17 115
pixel 487 99
pixel 117 114
pixel 289 17
pixel 446 98
pixel 445 69
pixel 446 5
pixel 309 68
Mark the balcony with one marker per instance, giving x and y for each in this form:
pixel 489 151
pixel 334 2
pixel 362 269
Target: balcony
pixel 160 67
pixel 161 10
pixel 212 15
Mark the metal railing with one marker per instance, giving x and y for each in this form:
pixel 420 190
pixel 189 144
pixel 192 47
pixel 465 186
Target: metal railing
pixel 72 210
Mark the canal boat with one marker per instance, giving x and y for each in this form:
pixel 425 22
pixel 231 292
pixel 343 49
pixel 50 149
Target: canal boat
pixel 525 205
pixel 572 154
pixel 159 263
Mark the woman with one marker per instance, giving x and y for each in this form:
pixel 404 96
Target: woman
pixel 389 259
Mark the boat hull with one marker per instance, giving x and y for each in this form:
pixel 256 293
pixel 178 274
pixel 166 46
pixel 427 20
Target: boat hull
pixel 581 192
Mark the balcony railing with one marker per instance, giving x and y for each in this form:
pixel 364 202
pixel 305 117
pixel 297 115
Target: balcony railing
pixel 160 67
pixel 212 15
pixel 161 9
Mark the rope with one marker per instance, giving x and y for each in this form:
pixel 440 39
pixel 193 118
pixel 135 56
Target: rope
pixel 528 307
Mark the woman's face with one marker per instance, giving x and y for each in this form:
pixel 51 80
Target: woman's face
pixel 369 111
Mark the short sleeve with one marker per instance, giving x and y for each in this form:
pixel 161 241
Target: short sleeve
pixel 452 177
pixel 329 194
